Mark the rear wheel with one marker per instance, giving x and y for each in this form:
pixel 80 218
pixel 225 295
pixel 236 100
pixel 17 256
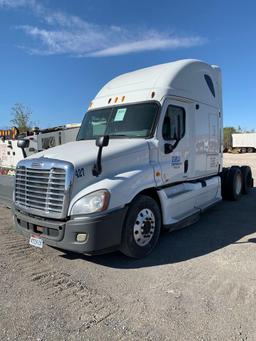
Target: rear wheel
pixel 247 179
pixel 233 183
pixel 224 175
pixel 142 227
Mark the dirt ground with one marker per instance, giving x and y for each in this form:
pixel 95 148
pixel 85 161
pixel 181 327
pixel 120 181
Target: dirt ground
pixel 198 284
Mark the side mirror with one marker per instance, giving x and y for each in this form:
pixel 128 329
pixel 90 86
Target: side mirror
pixel 102 141
pixel 23 143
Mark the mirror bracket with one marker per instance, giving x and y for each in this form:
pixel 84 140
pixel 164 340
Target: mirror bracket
pixel 169 148
pixel 101 142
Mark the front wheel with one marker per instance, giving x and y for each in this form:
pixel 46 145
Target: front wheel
pixel 141 228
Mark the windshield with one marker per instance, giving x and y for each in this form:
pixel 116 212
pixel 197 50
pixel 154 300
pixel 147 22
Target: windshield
pixel 136 120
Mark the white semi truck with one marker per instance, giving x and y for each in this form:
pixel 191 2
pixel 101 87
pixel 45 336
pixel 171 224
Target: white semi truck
pixel 148 156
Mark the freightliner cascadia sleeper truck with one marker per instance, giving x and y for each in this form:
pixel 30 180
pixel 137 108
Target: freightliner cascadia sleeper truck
pixel 148 156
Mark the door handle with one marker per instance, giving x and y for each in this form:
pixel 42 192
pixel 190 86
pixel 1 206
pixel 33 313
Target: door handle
pixel 185 166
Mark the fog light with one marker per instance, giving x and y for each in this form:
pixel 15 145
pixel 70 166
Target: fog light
pixel 81 237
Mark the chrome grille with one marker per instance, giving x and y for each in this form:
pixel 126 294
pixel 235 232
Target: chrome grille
pixel 42 190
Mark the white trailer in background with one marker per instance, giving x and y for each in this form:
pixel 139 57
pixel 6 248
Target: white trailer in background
pixel 11 154
pixel 52 137
pixel 244 142
pixel 148 156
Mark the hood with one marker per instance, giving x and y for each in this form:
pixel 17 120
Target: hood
pixel 120 156
pixel 85 152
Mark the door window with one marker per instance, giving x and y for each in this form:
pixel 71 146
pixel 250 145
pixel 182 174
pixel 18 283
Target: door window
pixel 174 123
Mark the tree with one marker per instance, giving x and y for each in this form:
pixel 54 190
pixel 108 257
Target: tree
pixel 21 117
pixel 239 129
pixel 227 136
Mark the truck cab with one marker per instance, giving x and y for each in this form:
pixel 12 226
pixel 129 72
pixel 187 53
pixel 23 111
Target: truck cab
pixel 147 157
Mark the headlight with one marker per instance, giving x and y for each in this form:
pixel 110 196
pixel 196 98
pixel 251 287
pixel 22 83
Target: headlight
pixel 91 203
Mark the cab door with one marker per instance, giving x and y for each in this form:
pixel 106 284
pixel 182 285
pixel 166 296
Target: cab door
pixel 174 141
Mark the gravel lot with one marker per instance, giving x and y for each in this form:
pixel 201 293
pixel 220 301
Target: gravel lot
pixel 199 284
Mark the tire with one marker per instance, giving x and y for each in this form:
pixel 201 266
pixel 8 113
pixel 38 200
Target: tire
pixel 234 183
pixel 250 150
pixel 243 150
pixel 224 175
pixel 136 242
pixel 247 179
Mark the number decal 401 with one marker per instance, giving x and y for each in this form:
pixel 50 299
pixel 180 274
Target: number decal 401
pixel 79 172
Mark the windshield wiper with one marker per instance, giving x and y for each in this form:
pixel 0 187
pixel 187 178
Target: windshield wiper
pixel 127 136
pixel 117 135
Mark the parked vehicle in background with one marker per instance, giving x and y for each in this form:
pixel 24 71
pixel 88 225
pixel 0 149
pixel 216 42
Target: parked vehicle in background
pixel 148 156
pixel 10 154
pixel 39 139
pixel 244 142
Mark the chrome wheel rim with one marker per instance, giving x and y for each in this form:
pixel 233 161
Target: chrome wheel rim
pixel 144 227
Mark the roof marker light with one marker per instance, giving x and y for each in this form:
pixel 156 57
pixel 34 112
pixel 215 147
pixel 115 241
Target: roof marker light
pixel 109 100
pixel 123 98
pixel 152 94
pixel 116 99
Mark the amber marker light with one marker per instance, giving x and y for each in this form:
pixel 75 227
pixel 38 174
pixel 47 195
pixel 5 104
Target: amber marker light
pixel 123 98
pixel 116 99
pixel 158 173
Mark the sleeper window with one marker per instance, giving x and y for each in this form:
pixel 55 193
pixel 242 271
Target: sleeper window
pixel 210 84
pixel 174 123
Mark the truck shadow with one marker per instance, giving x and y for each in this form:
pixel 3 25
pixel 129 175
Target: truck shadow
pixel 221 226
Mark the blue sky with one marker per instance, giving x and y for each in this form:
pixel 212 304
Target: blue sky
pixel 56 54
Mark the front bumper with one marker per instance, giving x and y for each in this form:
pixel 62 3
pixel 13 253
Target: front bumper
pixel 104 231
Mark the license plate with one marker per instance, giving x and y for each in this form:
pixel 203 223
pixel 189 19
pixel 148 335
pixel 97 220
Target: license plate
pixel 35 241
